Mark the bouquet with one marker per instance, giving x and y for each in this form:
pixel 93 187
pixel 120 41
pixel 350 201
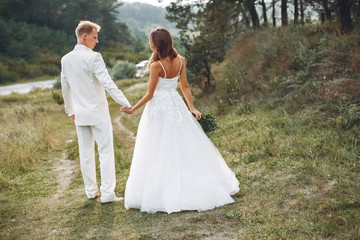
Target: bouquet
pixel 208 123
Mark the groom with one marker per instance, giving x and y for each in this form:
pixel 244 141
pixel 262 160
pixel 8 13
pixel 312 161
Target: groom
pixel 84 79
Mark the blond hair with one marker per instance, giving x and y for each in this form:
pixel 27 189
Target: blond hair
pixel 86 27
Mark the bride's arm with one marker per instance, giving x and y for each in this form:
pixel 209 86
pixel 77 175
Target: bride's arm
pixel 185 89
pixel 155 69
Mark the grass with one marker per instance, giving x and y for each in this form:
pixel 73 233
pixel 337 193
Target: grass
pixel 299 178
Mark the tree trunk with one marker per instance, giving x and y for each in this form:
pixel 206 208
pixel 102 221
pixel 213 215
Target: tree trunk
pixel 302 12
pixel 322 17
pixel 345 15
pixel 296 12
pixel 264 12
pixel 284 18
pixel 273 13
pixel 246 18
pixel 208 73
pixel 326 10
pixel 250 5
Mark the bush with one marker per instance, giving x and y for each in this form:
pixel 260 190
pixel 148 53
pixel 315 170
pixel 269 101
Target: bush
pixel 5 74
pixel 349 116
pixel 57 97
pixel 23 69
pixel 123 69
pixel 50 69
pixel 57 84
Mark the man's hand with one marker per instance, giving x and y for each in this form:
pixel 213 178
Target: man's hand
pixel 72 117
pixel 127 110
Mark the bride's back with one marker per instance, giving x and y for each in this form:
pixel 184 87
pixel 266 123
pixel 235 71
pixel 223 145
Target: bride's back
pixel 171 66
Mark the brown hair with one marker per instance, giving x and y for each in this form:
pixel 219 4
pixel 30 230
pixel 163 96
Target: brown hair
pixel 163 44
pixel 86 27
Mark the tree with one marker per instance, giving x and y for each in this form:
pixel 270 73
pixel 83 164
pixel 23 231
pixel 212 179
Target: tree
pixel 326 10
pixel 345 15
pixel 284 18
pixel 205 31
pixel 35 34
pixel 250 6
pixel 273 13
pixel 296 12
pixel 264 12
pixel 244 15
pixel 302 12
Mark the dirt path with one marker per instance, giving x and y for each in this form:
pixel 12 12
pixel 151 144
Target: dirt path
pixel 65 173
pixel 135 87
pixel 122 128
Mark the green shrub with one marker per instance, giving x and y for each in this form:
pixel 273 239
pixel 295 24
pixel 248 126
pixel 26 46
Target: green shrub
pixel 57 84
pixel 349 116
pixel 23 69
pixel 123 69
pixel 5 74
pixel 50 69
pixel 57 97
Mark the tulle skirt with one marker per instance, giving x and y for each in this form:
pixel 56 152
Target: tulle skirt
pixel 175 166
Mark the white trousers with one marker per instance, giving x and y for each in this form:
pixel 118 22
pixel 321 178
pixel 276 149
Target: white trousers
pixel 103 135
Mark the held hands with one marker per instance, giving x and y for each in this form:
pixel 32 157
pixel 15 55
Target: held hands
pixel 198 115
pixel 127 110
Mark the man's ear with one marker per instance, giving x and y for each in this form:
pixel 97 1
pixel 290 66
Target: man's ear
pixel 85 36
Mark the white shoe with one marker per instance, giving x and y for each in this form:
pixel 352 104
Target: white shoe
pixel 97 195
pixel 115 199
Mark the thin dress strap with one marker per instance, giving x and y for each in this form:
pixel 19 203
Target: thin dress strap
pixel 180 67
pixel 162 68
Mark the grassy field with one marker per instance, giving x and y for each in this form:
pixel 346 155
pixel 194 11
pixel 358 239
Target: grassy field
pixel 299 178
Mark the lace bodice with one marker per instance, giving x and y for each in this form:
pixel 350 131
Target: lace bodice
pixel 167 83
pixel 166 102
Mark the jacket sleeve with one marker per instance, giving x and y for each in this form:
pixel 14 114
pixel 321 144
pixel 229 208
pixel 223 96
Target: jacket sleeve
pixel 66 92
pixel 104 78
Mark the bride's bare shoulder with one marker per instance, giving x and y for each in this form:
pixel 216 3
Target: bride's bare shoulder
pixel 155 65
pixel 182 59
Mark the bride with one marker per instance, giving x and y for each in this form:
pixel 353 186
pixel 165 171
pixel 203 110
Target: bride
pixel 175 166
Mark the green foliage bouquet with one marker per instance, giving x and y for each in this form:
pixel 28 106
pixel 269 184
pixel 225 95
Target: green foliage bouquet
pixel 208 123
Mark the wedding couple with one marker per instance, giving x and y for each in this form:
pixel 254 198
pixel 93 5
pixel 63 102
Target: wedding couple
pixel 175 166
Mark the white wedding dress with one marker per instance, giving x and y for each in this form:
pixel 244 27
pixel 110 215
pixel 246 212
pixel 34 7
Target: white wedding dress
pixel 175 166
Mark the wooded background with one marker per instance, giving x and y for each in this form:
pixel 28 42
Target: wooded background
pixel 35 34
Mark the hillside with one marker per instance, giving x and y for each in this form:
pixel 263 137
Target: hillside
pixel 142 18
pixel 312 68
pixel 36 34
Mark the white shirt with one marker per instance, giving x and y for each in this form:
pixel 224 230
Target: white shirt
pixel 84 79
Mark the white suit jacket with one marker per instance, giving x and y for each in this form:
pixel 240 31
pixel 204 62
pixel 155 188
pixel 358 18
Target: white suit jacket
pixel 84 79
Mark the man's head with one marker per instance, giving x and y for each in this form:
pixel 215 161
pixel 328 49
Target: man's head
pixel 86 33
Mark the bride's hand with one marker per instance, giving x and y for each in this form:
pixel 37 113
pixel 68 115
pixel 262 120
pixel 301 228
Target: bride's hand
pixel 198 115
pixel 127 110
